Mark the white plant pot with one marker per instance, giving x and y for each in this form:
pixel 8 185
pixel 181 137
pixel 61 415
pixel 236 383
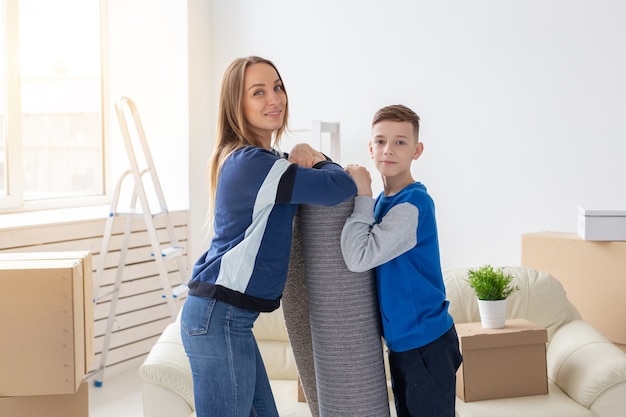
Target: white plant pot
pixel 492 313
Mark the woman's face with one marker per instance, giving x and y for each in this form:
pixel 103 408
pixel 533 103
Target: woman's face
pixel 264 100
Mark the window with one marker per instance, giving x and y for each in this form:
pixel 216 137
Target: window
pixel 51 141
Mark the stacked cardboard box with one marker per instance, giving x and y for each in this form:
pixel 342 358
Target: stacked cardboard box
pixel 46 323
pixel 592 274
pixel 63 405
pixel 602 225
pixel 501 363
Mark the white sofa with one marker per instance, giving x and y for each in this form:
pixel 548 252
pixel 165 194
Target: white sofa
pixel 586 372
pixel 166 374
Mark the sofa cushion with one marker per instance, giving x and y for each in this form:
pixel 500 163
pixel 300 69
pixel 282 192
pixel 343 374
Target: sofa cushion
pixel 541 298
pixel 555 404
pixel 271 326
pixel 576 345
pixel 271 335
pixel 278 360
pixel 166 365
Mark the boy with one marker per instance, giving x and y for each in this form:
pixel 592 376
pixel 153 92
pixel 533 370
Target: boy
pixel 396 234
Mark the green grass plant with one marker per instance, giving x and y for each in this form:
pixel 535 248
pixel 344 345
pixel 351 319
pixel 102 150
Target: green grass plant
pixel 491 283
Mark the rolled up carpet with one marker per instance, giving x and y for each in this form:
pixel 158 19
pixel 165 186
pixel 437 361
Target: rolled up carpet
pixel 295 303
pixel 344 320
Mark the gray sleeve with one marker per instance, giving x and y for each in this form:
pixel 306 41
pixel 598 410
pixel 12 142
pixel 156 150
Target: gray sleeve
pixel 365 245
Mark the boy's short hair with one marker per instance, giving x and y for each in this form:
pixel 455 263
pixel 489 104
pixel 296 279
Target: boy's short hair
pixel 398 113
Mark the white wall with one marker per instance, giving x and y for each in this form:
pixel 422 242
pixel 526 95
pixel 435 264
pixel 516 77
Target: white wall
pixel 147 47
pixel 202 118
pixel 521 101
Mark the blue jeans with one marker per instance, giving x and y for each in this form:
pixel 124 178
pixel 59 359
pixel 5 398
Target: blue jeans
pixel 424 379
pixel 229 376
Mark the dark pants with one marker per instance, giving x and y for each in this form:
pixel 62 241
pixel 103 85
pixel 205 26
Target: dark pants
pixel 424 379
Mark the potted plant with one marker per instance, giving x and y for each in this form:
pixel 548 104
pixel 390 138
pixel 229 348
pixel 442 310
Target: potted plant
pixel 492 287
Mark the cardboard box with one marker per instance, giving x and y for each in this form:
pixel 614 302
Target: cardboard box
pixel 602 225
pixel 64 405
pixel 592 274
pixel 46 322
pixel 301 396
pixel 87 263
pixel 501 363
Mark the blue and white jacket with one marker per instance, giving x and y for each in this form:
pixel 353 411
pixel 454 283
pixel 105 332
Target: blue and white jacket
pixel 256 200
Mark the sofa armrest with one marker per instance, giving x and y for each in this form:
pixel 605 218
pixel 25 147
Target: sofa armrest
pixel 588 367
pixel 159 401
pixel 167 367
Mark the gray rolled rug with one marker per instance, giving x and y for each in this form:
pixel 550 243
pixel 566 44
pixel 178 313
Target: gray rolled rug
pixel 345 335
pixel 295 303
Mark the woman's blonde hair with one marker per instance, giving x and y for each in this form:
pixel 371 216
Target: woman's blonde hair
pixel 233 130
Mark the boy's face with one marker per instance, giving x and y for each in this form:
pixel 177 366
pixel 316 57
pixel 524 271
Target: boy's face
pixel 393 147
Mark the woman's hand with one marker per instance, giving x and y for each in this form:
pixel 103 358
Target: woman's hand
pixel 362 178
pixel 304 155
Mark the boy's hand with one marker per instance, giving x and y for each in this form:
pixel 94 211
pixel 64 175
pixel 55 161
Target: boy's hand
pixel 304 155
pixel 362 178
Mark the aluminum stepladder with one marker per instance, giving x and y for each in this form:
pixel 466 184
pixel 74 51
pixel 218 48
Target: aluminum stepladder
pixel 174 251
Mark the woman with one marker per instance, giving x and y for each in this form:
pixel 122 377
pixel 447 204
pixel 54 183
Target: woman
pixel 255 192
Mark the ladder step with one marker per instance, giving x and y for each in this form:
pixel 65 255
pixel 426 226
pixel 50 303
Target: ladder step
pixel 178 291
pixel 131 212
pixel 126 212
pixel 100 297
pixel 171 252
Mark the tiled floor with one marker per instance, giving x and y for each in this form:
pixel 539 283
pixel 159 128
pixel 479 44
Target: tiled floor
pixel 119 395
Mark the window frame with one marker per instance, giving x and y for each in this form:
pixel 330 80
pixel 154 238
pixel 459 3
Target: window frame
pixel 13 201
